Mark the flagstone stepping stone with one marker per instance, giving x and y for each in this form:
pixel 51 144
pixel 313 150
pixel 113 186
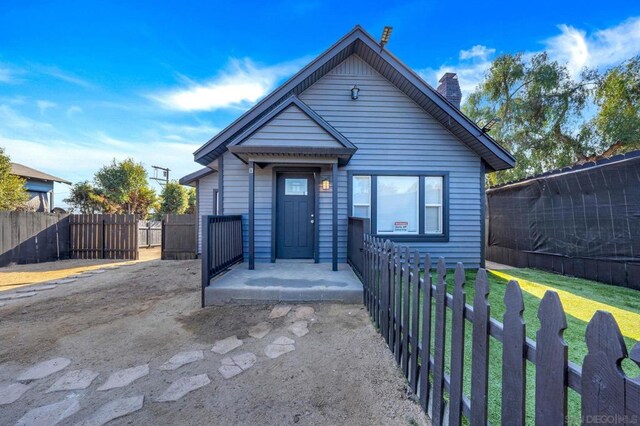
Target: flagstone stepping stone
pixel 183 386
pixel 125 377
pixel 12 392
pixel 304 312
pixel 232 366
pixel 181 359
pixel 299 328
pixel 13 296
pixel 38 288
pixel 74 380
pixel 51 414
pixel 280 346
pixel 63 281
pixel 95 271
pixel 260 330
pixel 279 311
pixel 226 345
pixel 113 410
pixel 44 369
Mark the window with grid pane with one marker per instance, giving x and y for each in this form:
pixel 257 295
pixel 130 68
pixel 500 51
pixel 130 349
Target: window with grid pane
pixel 362 196
pixel 433 205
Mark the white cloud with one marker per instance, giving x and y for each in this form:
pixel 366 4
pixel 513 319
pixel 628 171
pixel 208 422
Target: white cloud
pixel 44 105
pixel 68 77
pixel 477 51
pixel 600 49
pixel 239 86
pixel 10 74
pixel 73 110
pixel 574 47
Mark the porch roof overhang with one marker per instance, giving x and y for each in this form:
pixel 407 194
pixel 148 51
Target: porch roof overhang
pixel 263 155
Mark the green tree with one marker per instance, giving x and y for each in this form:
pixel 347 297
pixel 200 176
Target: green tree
pixel 193 200
pixel 616 126
pixel 85 198
pixel 174 199
pixel 123 188
pixel 12 192
pixel 539 107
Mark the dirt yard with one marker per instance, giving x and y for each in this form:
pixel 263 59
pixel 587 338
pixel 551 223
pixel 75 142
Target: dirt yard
pixel 147 312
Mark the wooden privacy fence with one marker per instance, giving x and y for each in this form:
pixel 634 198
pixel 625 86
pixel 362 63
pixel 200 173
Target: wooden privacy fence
pixel 411 313
pixel 103 236
pixel 149 233
pixel 179 237
pixel 221 246
pixel 32 237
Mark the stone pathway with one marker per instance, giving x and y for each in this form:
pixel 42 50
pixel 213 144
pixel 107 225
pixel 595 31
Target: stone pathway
pixel 304 313
pixel 74 380
pixel 63 281
pixel 280 346
pixel 80 379
pixel 299 328
pixel 114 409
pixel 51 414
pixel 12 392
pixel 125 377
pixel 183 386
pixel 260 330
pixel 181 359
pixel 279 311
pixel 226 345
pixel 37 288
pixel 232 366
pixel 12 296
pixel 44 369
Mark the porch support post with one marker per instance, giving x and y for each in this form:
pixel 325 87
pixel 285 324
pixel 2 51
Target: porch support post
pixel 251 215
pixel 334 226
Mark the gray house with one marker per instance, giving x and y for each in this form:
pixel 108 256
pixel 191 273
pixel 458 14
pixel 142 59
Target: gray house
pixel 354 133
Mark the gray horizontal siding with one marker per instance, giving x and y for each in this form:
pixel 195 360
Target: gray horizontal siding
pixel 394 133
pixel 236 192
pixel 206 187
pixel 292 127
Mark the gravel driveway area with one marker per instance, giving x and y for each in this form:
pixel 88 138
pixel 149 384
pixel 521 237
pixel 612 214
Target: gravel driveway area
pixel 132 346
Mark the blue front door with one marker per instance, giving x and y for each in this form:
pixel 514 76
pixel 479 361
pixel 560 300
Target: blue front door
pixel 295 216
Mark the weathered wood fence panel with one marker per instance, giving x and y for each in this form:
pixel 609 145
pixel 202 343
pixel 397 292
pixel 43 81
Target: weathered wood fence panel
pixel 103 236
pixel 149 233
pixel 179 237
pixel 392 287
pixel 33 237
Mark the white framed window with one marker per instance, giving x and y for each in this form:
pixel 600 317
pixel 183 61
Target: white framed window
pixel 397 205
pixel 361 196
pixel 433 202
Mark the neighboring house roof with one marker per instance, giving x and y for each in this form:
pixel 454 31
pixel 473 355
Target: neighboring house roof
pixel 191 178
pixel 344 149
pixel 575 168
pixel 29 173
pixel 359 42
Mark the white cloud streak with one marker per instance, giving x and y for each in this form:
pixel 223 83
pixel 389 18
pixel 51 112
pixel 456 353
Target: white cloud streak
pixel 239 86
pixel 574 47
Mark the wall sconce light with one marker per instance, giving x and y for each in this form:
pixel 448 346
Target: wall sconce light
pixel 326 184
pixel 354 92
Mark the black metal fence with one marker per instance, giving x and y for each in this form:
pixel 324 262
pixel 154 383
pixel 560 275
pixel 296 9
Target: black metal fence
pixel 411 313
pixel 358 227
pixel 221 245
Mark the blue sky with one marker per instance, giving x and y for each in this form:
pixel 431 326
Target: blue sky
pixel 83 82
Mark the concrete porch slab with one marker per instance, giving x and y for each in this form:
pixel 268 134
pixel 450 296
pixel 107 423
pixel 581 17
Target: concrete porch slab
pixel 285 282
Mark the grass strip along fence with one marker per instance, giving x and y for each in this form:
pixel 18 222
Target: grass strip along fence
pixel 411 313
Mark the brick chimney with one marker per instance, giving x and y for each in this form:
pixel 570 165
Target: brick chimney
pixel 449 87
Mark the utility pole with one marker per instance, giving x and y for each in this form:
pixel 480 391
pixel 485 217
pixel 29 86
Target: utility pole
pixel 161 175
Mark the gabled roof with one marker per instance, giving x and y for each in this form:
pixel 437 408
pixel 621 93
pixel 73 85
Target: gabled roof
pixel 361 43
pixel 29 173
pixel 192 177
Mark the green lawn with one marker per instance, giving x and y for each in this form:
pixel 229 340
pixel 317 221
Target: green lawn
pixel 574 334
